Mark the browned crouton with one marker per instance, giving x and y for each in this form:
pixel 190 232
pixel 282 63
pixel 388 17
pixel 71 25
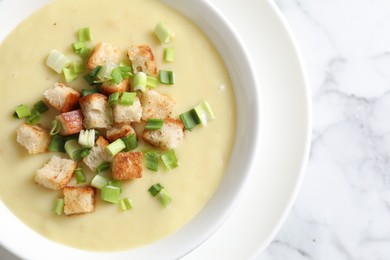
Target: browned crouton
pixel 126 166
pixel 61 97
pixel 142 59
pixel 156 105
pixel 95 111
pixel 33 137
pixel 168 137
pixel 55 174
pixel 98 154
pixel 110 87
pixel 71 122
pixel 119 131
pixel 124 114
pixel 102 54
pixel 79 200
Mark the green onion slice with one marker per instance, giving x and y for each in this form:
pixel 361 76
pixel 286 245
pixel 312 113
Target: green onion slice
pixel 77 46
pixel 166 77
pixel 110 193
pixel 130 142
pixel 87 138
pixel 115 183
pixel 85 35
pixel 99 181
pixel 115 147
pixel 113 98
pixel 22 111
pixel 92 78
pixel 127 98
pixel 190 119
pixel 84 153
pixel 73 149
pixel 158 191
pixel 151 159
pixel 57 61
pixel 125 71
pixel 125 204
pixel 106 70
pixel 57 144
pixel 154 124
pixel 55 127
pixel 41 107
pixel 58 207
pixel 163 33
pixel 154 189
pixel 102 167
pixel 169 159
pixel 139 81
pixel 169 54
pixel 80 177
pixel 116 75
pixel 204 112
pixel 34 117
pixel 152 82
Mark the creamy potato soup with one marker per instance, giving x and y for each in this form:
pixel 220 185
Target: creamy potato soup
pixel 203 154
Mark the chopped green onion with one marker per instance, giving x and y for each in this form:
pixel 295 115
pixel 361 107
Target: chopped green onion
pixel 99 181
pixel 115 147
pixel 86 92
pixel 169 54
pixel 85 35
pixel 169 159
pixel 58 207
pixel 113 98
pixel 139 81
pixel 102 167
pixel 22 111
pixel 130 142
pixel 56 127
pixel 127 98
pixel 84 153
pixel 154 189
pixel 77 46
pixel 73 149
pixel 69 74
pixel 41 107
pixel 87 138
pixel 204 112
pixel 78 67
pixel 91 77
pixel 84 53
pixel 125 71
pixel 163 33
pixel 151 159
pixel 125 204
pixel 34 117
pixel 106 70
pixel 116 76
pixel 110 194
pixel 152 82
pixel 115 183
pixel 154 124
pixel 80 177
pixel 190 119
pixel 57 61
pixel 166 77
pixel 57 144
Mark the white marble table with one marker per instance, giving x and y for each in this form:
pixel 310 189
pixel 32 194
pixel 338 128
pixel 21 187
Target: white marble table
pixel 343 209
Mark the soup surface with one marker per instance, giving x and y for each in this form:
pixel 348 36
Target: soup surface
pixel 203 155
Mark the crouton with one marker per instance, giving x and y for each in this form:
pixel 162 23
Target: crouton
pixel 98 154
pixel 142 59
pixel 110 87
pixel 95 111
pixel 79 200
pixel 156 105
pixel 55 174
pixel 61 97
pixel 124 114
pixel 126 166
pixel 102 54
pixel 33 137
pixel 119 131
pixel 168 137
pixel 71 122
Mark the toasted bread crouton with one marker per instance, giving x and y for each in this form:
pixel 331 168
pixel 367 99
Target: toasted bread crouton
pixel 33 137
pixel 156 105
pixel 71 122
pixel 79 200
pixel 98 154
pixel 110 87
pixel 55 174
pixel 142 59
pixel 127 166
pixel 102 54
pixel 61 97
pixel 119 131
pixel 124 114
pixel 95 111
pixel 168 137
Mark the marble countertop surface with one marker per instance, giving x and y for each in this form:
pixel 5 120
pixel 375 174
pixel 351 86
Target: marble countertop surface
pixel 343 208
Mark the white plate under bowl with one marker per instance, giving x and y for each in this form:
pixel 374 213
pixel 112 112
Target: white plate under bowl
pixel 286 122
pixel 26 243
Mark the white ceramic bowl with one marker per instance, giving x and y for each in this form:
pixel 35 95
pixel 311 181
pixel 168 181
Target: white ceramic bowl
pixel 24 242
